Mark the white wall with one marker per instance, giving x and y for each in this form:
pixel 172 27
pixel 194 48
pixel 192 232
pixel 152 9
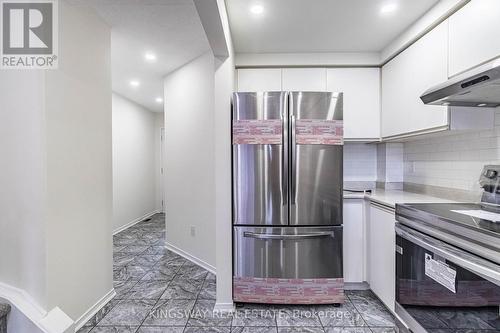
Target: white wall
pixel 78 163
pixel 189 162
pixel 56 193
pixel 22 209
pixel 135 162
pixel 453 161
pixel 224 87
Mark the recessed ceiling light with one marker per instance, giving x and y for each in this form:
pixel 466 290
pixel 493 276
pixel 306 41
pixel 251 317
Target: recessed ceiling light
pixel 149 56
pixel 389 8
pixel 482 104
pixel 159 100
pixel 257 9
pixel 134 83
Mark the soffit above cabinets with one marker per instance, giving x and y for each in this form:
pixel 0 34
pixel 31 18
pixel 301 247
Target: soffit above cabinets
pixel 298 26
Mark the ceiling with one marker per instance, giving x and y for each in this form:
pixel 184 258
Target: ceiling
pixel 305 26
pixel 170 29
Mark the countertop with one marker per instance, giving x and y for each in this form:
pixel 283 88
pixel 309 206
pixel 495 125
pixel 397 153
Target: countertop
pixel 392 197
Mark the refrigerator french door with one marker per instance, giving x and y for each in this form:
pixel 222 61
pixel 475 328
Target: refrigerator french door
pixel 287 197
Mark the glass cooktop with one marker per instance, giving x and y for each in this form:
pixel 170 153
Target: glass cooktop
pixel 468 215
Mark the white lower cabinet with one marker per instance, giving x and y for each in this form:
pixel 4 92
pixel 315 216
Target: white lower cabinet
pixel 354 241
pixel 380 253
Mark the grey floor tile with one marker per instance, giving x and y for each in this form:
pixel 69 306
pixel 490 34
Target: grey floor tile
pixel 161 329
pixel 383 330
pixel 181 288
pixel 101 313
pixel 161 272
pixel 209 290
pixel 146 260
pixel 157 249
pixel 372 310
pixel 123 287
pixel 207 330
pixel 148 290
pixel 114 329
pixel 170 313
pixel 272 329
pixel 134 249
pixel 122 259
pixel 347 330
pixel 300 330
pixel 251 315
pixel 134 272
pixel 343 315
pixel 128 312
pixel 294 316
pixel 204 316
pixel 192 271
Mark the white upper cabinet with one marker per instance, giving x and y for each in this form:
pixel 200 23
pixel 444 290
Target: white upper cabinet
pixel 404 79
pixel 262 79
pixel 474 35
pixel 361 88
pixel 304 79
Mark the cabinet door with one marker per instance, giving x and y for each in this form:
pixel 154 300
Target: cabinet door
pixel 354 241
pixel 406 77
pixel 304 79
pixel 381 254
pixel 474 35
pixel 263 79
pixel 361 88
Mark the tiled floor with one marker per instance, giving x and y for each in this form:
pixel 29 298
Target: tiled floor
pixel 159 291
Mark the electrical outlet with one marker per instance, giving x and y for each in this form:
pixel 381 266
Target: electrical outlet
pixel 193 231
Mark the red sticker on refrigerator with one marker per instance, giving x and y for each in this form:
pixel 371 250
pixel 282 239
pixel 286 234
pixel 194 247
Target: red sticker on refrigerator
pixel 258 132
pixel 319 132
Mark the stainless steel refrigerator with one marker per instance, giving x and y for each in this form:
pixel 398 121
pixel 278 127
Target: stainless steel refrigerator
pixel 287 197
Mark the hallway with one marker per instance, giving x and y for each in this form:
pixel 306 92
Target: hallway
pixel 159 291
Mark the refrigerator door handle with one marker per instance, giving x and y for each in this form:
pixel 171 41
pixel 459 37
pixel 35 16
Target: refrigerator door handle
pixel 293 153
pixel 248 234
pixel 284 156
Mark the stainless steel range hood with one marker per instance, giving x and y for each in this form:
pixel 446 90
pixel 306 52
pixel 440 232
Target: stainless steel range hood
pixel 479 87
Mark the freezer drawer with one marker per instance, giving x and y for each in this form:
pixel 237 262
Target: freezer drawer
pixel 288 252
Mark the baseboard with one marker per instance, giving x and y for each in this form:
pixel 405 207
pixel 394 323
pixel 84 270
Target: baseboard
pixel 137 220
pixel 224 307
pixel 94 309
pixel 190 257
pixel 26 312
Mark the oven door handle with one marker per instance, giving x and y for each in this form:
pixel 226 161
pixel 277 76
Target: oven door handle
pixel 248 234
pixel 476 265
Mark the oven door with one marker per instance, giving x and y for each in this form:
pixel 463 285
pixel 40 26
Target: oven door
pixel 440 288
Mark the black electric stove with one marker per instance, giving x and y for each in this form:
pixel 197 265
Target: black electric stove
pixel 478 236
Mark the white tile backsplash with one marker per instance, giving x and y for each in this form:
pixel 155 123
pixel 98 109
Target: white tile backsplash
pixel 453 161
pixel 360 162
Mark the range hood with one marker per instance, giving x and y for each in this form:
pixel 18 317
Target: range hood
pixel 479 87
